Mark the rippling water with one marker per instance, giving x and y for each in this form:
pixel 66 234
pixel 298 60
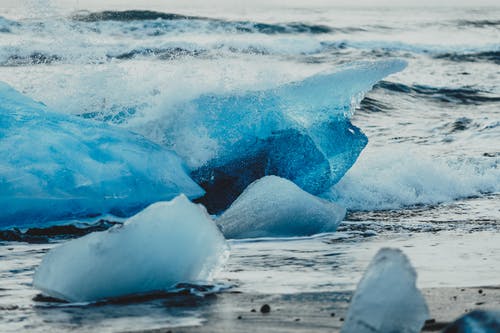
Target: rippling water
pixel 427 182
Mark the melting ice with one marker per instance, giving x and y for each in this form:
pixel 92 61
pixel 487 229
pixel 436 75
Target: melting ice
pixel 54 166
pixel 167 243
pixel 387 299
pixel 478 321
pixel 276 207
pixel 300 131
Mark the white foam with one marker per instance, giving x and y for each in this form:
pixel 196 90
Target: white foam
pixel 392 178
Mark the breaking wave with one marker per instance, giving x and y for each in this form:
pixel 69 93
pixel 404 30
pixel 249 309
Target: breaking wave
pixel 394 179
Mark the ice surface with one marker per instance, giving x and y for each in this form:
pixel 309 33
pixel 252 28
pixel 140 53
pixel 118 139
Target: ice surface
pixel 291 154
pixel 478 321
pixel 54 166
pixel 166 243
pixel 299 131
pixel 387 299
pixel 276 207
pixel 288 153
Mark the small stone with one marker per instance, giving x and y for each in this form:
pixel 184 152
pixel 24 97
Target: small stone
pixel 480 291
pixel 239 317
pixel 297 319
pixel 265 308
pixel 253 310
pixel 341 319
pixel 332 314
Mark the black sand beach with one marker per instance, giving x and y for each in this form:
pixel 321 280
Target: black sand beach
pixel 319 312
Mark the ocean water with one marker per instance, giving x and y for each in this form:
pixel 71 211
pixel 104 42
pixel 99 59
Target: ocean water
pixel 428 182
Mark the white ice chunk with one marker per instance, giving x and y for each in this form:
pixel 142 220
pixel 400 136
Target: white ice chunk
pixel 276 207
pixel 387 299
pixel 166 243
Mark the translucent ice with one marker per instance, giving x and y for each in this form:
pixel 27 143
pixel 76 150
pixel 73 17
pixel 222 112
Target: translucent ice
pixel 55 166
pixel 276 207
pixel 299 131
pixel 166 243
pixel 478 321
pixel 387 299
pixel 292 154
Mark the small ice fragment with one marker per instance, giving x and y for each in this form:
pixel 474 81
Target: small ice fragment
pixel 387 299
pixel 276 207
pixel 477 321
pixel 166 243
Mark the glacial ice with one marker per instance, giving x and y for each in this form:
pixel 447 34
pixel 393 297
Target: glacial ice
pixel 276 207
pixel 477 321
pixel 165 244
pixel 387 299
pixel 300 131
pixel 55 166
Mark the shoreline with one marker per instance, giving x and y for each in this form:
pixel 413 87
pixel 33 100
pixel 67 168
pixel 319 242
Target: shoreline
pixel 319 312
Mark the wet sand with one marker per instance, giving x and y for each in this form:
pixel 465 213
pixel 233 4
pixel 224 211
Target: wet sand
pixel 320 312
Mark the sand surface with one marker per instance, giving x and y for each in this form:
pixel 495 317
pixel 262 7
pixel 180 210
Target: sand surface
pixel 320 312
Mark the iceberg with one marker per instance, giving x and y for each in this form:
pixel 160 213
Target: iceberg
pixel 290 154
pixel 387 299
pixel 55 166
pixel 477 321
pixel 299 131
pixel 276 207
pixel 165 244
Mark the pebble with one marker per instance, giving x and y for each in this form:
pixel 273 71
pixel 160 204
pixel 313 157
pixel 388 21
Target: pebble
pixel 265 308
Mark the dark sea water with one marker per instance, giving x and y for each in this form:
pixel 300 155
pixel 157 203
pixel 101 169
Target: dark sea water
pixel 428 182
